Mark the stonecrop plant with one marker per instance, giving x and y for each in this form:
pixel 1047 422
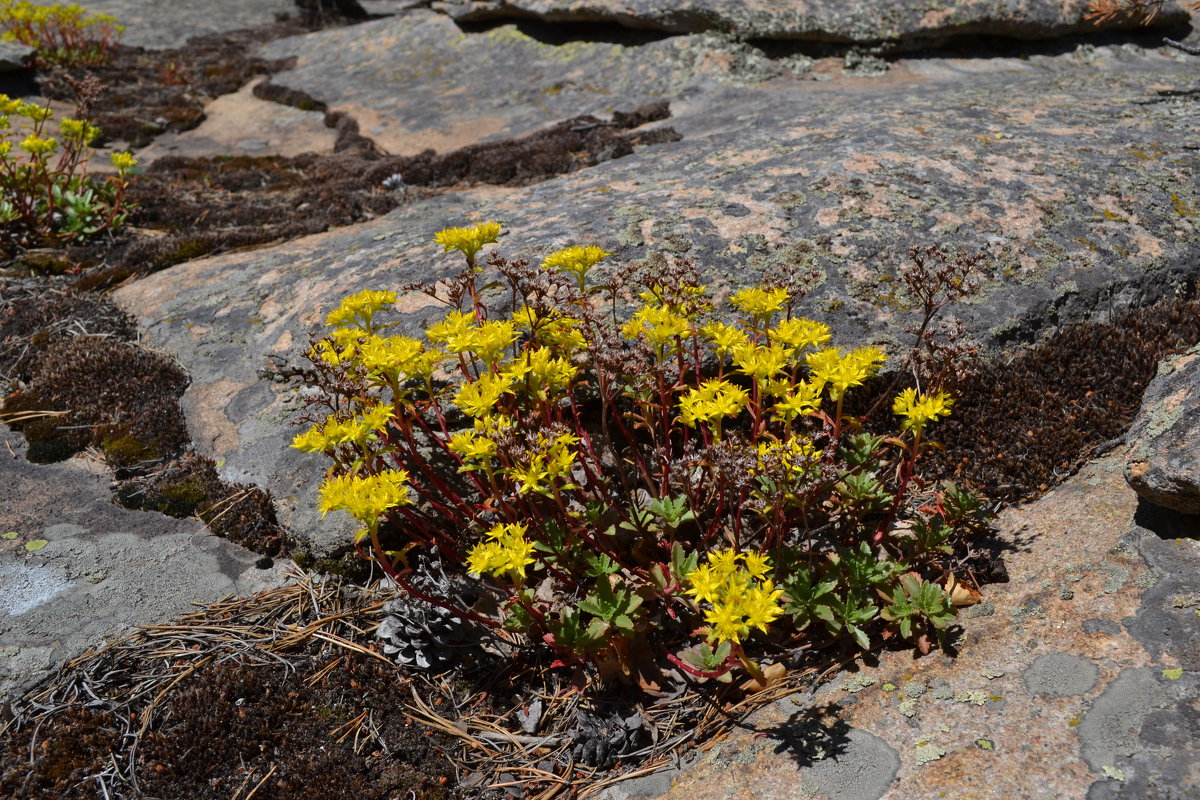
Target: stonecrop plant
pixel 60 34
pixel 666 492
pixel 46 191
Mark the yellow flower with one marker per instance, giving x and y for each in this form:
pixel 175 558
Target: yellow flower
pixel 38 145
pixel 759 301
pixel 468 241
pixel 657 323
pixel 800 332
pixel 725 338
pixel 360 309
pixel 804 399
pixel 575 260
pixel 841 372
pixel 365 498
pixel 479 397
pixel 919 410
pixel 122 161
pixel 741 595
pixel 758 362
pixel 476 450
pixel 508 553
pixel 712 401
pixel 456 331
pixel 79 130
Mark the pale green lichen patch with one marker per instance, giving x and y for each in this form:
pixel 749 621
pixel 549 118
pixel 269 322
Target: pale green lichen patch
pixel 1173 674
pixel 856 683
pixel 943 693
pixel 889 687
pixel 985 744
pixel 914 689
pixel 8 535
pixel 35 545
pixel 926 752
pixel 973 696
pixel 908 708
pixel 992 674
pixel 1114 773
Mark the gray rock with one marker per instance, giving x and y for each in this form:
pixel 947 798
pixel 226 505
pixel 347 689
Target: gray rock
pixel 814 20
pixel 76 569
pixel 1163 462
pixel 161 24
pixel 14 56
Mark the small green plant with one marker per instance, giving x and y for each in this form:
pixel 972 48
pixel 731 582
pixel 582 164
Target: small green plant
pixel 662 492
pixel 47 193
pixel 61 34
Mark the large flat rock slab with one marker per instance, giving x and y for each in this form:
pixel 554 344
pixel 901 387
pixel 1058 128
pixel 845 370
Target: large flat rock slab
pixel 76 569
pixel 1075 680
pixel 164 24
pixel 416 81
pixel 814 20
pixel 1075 177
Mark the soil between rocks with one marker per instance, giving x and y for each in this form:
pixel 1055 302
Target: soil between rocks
pixel 1076 395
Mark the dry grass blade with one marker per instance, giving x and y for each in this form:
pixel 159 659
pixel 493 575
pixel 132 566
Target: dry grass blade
pixel 29 416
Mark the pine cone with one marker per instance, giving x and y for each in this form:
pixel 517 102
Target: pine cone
pixel 422 635
pixel 601 741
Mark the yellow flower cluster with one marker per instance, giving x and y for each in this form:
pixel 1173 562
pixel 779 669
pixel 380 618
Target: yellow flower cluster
pixel 468 241
pixel 123 162
pixel 554 330
pixel 365 497
pixel 507 552
pixel 741 595
pixel 919 410
pixel 549 467
pixel 659 323
pixel 333 432
pixel 724 338
pixel 842 370
pixel 460 333
pixel 79 130
pixel 711 402
pixel 39 146
pixel 759 301
pixel 797 454
pixel 359 310
pixel 576 260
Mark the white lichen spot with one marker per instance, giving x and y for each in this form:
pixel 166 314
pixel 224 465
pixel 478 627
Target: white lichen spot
pixel 926 752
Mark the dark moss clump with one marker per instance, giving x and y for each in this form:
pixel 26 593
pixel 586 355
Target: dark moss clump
pixel 229 720
pixel 150 92
pixel 190 486
pixel 1021 426
pixel 66 755
pixel 37 311
pixel 86 390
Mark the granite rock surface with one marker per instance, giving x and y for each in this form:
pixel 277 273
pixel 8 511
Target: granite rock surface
pixel 813 20
pixel 75 569
pixel 1073 173
pixel 1164 453
pixel 14 56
